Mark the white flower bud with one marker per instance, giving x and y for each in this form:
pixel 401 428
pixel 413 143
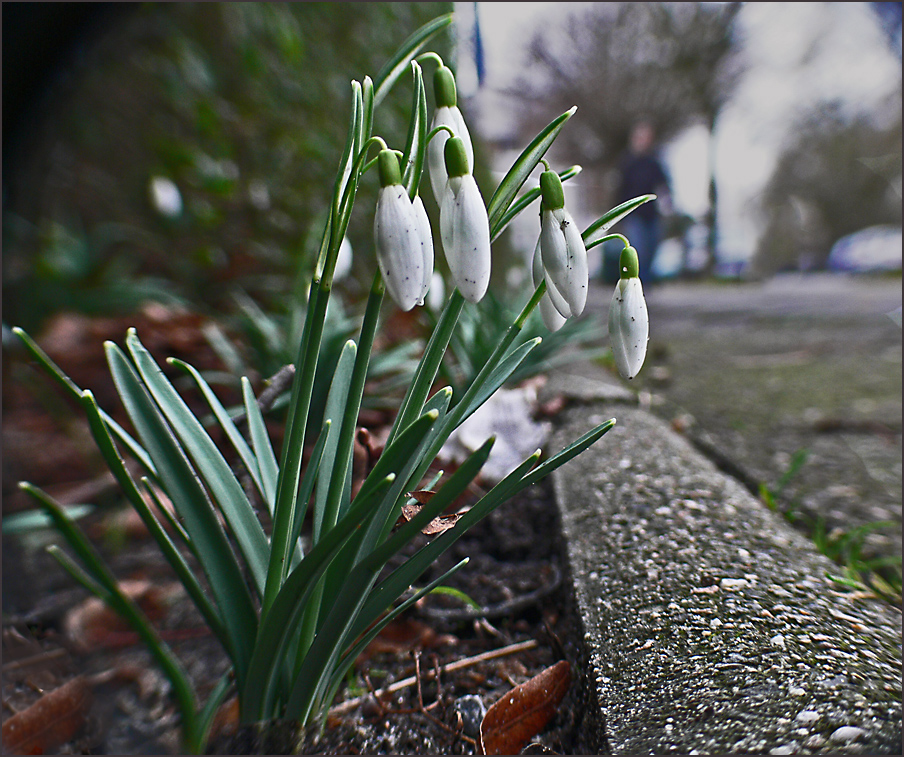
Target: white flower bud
pixel 629 324
pixel 564 259
pixel 465 231
pixel 426 237
pixel 399 246
pixel 343 260
pixel 451 117
pixel 552 318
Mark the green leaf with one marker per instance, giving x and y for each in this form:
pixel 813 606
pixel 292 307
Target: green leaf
pixel 391 587
pixel 601 226
pixel 260 440
pixel 521 169
pixel 281 621
pixel 75 392
pixel 453 488
pixel 348 659
pixel 337 630
pixel 526 199
pixel 416 143
pixel 190 499
pixel 115 463
pixel 226 423
pixel 35 520
pixel 104 585
pixel 569 452
pixel 334 411
pixel 293 443
pixel 397 64
pixel 209 462
pixel 428 367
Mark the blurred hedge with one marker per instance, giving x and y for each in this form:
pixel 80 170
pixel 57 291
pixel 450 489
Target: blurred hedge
pixel 243 106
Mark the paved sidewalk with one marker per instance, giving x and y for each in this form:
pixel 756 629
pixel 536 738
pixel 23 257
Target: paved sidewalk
pixel 710 627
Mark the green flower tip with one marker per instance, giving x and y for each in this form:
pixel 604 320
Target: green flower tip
pixel 628 264
pixel 551 189
pixel 388 165
pixel 456 158
pixel 444 88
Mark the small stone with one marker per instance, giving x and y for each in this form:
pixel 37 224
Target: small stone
pixel 778 640
pixel 796 691
pixel 472 709
pixel 783 749
pixel 730 584
pixel 807 716
pixel 814 742
pixel 847 733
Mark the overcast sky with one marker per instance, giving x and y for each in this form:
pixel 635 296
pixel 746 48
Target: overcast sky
pixel 798 53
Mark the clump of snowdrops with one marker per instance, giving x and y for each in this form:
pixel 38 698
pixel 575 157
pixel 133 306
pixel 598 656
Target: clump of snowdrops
pixel 292 613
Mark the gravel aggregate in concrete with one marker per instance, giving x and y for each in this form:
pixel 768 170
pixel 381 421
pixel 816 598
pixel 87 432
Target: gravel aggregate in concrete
pixel 710 624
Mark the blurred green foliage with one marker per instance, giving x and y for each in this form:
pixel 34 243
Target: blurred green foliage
pixel 243 107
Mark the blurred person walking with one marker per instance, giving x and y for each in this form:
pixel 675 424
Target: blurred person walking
pixel 643 173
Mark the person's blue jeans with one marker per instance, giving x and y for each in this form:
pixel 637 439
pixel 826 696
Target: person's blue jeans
pixel 644 236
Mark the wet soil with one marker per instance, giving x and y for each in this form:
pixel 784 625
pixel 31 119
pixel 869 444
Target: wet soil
pixel 516 574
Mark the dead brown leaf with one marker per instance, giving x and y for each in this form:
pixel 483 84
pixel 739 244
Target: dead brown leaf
pixel 401 636
pixel 435 526
pixel 514 719
pixel 92 624
pixel 50 722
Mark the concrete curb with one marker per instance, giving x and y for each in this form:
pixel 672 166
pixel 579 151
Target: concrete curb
pixel 709 624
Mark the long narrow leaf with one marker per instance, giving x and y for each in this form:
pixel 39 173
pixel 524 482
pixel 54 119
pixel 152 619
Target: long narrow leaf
pixel 601 226
pixel 293 444
pixel 209 462
pixel 314 672
pixel 334 412
pixel 397 64
pixel 278 626
pixel 179 481
pixel 260 441
pixel 448 493
pixel 348 659
pixel 110 593
pixel 416 142
pixel 522 168
pixel 391 587
pixel 75 392
pixel 571 451
pixel 519 205
pixel 428 367
pixel 306 487
pixel 226 423
pixel 481 390
pixel 115 463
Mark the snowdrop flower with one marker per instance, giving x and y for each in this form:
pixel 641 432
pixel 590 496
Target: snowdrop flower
pixel 464 226
pixel 629 324
pixel 398 237
pixel 343 260
pixel 426 237
pixel 165 197
pixel 552 318
pixel 562 250
pixel 447 114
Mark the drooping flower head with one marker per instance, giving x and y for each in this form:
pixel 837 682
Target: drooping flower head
pixel 629 324
pixel 552 318
pixel 464 226
pixel 400 237
pixel 447 114
pixel 562 250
